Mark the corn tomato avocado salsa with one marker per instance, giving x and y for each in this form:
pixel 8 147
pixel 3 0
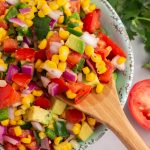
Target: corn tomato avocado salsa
pixel 49 48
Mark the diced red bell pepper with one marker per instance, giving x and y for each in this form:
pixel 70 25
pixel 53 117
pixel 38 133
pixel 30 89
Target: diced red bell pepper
pixel 43 102
pixel 116 50
pixel 10 45
pixel 91 22
pixel 103 52
pixel 2 8
pixel 74 115
pixel 8 146
pixel 32 145
pixel 21 79
pixel 40 54
pixel 3 24
pixel 27 54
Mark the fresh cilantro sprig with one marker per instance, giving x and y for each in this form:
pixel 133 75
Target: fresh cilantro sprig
pixel 135 15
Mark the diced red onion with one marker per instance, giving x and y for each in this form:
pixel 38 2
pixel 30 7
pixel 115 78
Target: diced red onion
pixel 11 113
pixel 90 65
pixel 52 23
pixel 45 144
pixel 79 77
pixel 90 39
pixel 12 2
pixel 55 14
pixel 54 73
pixel 69 126
pixel 53 89
pixel 70 137
pixel 37 126
pixel 69 75
pixel 54 47
pixel 12 70
pixel 28 69
pixel 2 132
pixel 18 22
pixel 25 45
pixel 16 104
pixel 45 81
pixel 25 10
pixel 11 140
pixel 27 40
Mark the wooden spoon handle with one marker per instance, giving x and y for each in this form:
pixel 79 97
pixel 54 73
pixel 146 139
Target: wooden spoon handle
pixel 127 134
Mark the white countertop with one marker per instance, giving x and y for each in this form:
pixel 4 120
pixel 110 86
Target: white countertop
pixel 109 141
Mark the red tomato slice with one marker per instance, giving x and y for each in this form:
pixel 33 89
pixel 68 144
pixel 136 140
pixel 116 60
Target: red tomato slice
pixel 92 21
pixel 21 79
pixel 26 54
pixel 75 5
pixel 73 59
pixel 10 45
pixel 139 103
pixel 74 115
pixel 40 54
pixel 116 50
pixel 8 96
pixel 2 8
pixel 3 24
pixel 43 102
pixel 107 76
pixel 8 146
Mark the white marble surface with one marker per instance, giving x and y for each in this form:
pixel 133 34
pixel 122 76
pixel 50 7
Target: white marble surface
pixel 109 141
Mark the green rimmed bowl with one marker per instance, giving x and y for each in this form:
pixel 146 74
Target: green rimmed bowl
pixel 115 28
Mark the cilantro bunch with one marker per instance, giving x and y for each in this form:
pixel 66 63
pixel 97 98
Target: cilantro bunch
pixel 135 15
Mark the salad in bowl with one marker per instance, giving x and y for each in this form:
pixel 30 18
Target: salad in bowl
pixel 48 48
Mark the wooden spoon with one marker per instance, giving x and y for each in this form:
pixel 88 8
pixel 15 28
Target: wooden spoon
pixel 106 109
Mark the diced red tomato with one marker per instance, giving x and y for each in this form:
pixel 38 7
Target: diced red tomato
pixel 11 131
pixel 26 54
pixel 2 8
pixel 116 50
pixel 92 21
pixel 3 24
pixel 103 52
pixel 138 103
pixel 43 102
pixel 8 96
pixel 21 79
pixel 73 59
pixel 74 115
pixel 10 45
pixel 40 54
pixel 32 145
pixel 54 38
pixel 107 76
pixel 75 5
pixel 8 146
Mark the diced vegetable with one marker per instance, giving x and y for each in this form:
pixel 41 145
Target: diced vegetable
pixel 25 10
pixel 2 132
pixel 37 126
pixel 11 13
pixel 11 140
pixel 12 2
pixel 53 89
pixel 75 32
pixel 69 75
pixel 45 144
pixel 28 69
pixel 79 66
pixel 45 81
pixel 4 114
pixel 18 22
pixel 50 133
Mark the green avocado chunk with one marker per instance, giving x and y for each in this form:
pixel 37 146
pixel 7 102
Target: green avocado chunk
pixel 76 44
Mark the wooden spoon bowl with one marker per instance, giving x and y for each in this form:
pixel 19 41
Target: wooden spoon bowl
pixel 106 108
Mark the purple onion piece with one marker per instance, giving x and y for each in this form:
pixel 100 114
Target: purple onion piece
pixel 12 70
pixel 11 140
pixel 27 40
pixel 54 73
pixel 18 22
pixel 45 81
pixel 69 75
pixel 54 47
pixel 11 113
pixel 52 23
pixel 45 144
pixel 53 89
pixel 28 69
pixel 25 10
pixel 37 126
pixel 12 2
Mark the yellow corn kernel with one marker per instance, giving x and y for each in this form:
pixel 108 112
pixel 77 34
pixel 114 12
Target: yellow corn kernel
pixel 42 135
pixel 3 34
pixel 41 14
pixel 17 118
pixel 101 67
pixel 50 33
pixel 37 93
pixel 49 64
pixel 63 146
pixel 21 147
pixel 25 107
pixel 20 122
pixel 13 122
pixel 63 53
pixel 38 63
pixel 40 3
pixel 26 140
pixel 121 60
pixel 92 7
pixel 46 9
pixel 19 112
pixel 34 9
pixel 76 128
pixel 42 44
pixel 68 12
pixel 61 3
pixel 61 19
pixel 90 77
pixel 29 22
pixel 99 88
pixel 62 66
pixel 91 121
pixel 70 94
pixel 30 15
pixel 57 140
pixel 89 50
pixel 55 58
pixel 63 34
pixel 85 4
pixel 53 5
pixel 96 58
pixel 78 29
pixel 18 131
pixel 86 70
pixel 5 122
pixel 21 17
